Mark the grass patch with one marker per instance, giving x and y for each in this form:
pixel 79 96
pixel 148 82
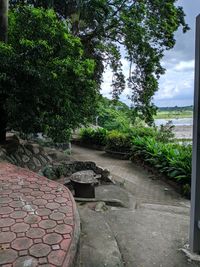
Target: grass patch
pixel 173 114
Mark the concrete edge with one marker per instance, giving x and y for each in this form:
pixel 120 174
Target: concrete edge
pixel 70 260
pixel 189 254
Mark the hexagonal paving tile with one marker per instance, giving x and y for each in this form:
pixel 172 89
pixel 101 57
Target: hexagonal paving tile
pixel 35 232
pixel 18 214
pixel 60 200
pixel 22 243
pixel 39 202
pixel 57 216
pixel 31 219
pixel 65 209
pixel 47 224
pixel 63 229
pixel 7 256
pixel 5 192
pixel 7 237
pixel 40 250
pixel 36 193
pixel 56 257
pixel 52 238
pixel 43 212
pixel 5 200
pixel 6 222
pixel 5 210
pixel 20 227
pixel 46 189
pixel 48 196
pixel 26 261
pixel 16 204
pixel 53 206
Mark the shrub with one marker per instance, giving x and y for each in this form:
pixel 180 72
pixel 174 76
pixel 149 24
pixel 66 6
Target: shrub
pixel 118 142
pixel 143 131
pixel 95 136
pixel 172 159
pixel 165 133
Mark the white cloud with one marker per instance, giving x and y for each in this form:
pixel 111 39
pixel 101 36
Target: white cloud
pixel 184 66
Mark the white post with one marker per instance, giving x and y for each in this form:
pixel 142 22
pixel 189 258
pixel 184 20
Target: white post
pixel 195 187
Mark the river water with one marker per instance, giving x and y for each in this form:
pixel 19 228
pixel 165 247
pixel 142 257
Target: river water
pixel 176 122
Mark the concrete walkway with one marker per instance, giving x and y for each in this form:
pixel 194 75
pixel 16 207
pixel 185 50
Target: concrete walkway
pixel 153 229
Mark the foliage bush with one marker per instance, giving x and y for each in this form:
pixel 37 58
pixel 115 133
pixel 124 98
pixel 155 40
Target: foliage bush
pixel 95 136
pixel 46 82
pixel 118 142
pixel 143 132
pixel 165 133
pixel 171 159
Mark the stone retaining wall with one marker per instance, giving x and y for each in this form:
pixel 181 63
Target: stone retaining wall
pixel 66 169
pixel 26 155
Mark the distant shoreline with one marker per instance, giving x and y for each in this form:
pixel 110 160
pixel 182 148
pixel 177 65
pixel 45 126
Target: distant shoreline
pixel 174 112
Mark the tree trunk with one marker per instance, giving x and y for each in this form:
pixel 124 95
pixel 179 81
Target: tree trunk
pixel 3 20
pixel 3 38
pixel 3 124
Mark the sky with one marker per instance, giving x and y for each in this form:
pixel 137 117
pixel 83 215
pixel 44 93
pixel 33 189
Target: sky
pixel 176 86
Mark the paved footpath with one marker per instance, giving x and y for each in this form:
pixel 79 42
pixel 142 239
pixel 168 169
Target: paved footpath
pixel 138 181
pixel 38 223
pixel 155 227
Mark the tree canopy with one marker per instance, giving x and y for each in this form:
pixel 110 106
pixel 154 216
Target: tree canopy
pixel 46 82
pixel 143 28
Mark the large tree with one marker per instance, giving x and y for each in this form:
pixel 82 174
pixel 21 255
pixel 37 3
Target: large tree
pixel 46 82
pixel 143 28
pixel 3 20
pixel 3 38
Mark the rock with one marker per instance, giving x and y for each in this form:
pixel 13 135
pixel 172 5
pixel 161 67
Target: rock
pixel 36 162
pixel 100 207
pixel 25 158
pixel 2 153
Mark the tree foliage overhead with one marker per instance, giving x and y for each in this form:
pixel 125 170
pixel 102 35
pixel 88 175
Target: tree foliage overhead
pixel 144 28
pixel 46 82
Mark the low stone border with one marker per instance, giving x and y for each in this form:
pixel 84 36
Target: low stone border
pixel 118 155
pixel 87 145
pixel 67 168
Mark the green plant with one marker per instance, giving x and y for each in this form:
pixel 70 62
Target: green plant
pixel 165 133
pixel 143 132
pixel 171 159
pixel 96 136
pixel 46 81
pixel 118 142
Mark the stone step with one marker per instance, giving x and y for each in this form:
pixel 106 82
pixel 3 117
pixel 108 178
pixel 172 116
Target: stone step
pixel 98 246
